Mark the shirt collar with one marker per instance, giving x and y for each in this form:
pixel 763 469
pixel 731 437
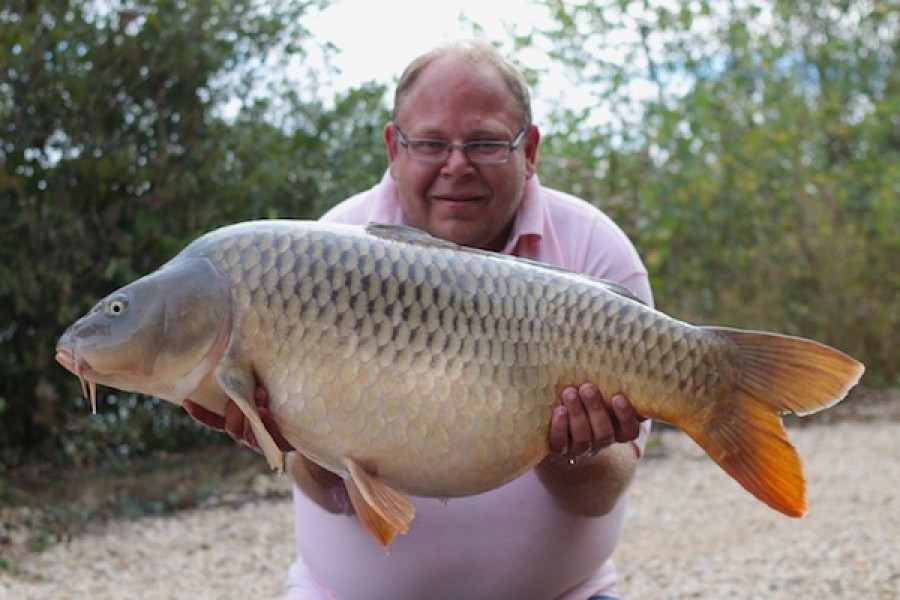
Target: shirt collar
pixel 529 220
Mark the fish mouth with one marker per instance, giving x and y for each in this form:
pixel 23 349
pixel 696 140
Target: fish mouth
pixel 72 362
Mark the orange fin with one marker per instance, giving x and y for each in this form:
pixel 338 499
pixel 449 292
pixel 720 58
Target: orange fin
pixel 749 442
pixel 778 374
pixel 792 374
pixel 382 510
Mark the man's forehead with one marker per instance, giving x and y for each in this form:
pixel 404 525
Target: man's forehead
pixel 473 102
pixel 480 130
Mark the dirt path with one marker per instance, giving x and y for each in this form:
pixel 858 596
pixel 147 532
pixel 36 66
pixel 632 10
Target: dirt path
pixel 691 533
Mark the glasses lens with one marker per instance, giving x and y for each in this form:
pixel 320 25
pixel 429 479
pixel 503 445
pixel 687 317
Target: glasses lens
pixel 428 150
pixel 488 152
pixel 436 151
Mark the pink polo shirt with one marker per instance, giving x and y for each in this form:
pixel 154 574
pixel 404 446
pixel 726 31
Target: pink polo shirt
pixel 511 542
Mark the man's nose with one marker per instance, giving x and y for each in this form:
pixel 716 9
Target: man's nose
pixel 457 158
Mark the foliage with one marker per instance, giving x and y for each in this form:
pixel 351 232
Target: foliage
pixel 114 153
pixel 752 151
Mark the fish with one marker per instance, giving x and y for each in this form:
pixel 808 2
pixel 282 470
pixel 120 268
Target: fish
pixel 409 365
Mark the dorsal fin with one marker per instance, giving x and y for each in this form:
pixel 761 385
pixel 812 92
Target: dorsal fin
pixel 409 235
pixel 417 237
pixel 617 288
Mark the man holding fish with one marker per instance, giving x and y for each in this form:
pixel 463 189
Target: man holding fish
pixel 462 151
pixel 453 347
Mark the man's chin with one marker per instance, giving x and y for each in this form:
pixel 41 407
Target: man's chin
pixel 463 233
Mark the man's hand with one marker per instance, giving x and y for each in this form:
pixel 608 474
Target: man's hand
pixel 235 424
pixel 586 470
pixel 582 425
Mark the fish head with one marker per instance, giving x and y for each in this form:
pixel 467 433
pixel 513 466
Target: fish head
pixel 160 335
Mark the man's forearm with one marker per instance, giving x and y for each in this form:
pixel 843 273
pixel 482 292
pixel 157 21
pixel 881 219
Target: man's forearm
pixel 592 486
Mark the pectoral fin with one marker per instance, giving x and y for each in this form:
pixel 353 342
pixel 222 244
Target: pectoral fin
pixel 240 385
pixel 381 509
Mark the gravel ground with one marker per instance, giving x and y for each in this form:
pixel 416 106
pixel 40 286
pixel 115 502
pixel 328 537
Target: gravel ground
pixel 691 533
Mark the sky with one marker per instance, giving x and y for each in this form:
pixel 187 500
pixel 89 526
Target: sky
pixel 378 38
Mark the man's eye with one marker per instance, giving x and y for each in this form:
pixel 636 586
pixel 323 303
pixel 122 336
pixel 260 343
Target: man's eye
pixel 487 148
pixel 434 146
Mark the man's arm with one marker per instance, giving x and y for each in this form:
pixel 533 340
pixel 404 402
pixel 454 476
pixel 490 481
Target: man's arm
pixel 235 424
pixel 593 456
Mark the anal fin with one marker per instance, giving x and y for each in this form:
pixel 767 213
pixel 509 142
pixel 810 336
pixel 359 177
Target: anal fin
pixel 381 509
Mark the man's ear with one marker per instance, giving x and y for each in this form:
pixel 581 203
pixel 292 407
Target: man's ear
pixel 531 144
pixel 392 145
pixel 390 141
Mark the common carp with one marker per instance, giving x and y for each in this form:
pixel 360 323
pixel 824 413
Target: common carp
pixel 410 365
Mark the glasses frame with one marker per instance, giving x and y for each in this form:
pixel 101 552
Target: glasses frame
pixel 464 148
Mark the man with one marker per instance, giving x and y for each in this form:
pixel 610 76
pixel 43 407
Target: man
pixel 462 152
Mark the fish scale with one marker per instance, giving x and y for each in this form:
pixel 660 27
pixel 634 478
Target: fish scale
pixel 410 365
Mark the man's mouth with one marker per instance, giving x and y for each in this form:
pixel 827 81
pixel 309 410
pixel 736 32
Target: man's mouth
pixel 457 198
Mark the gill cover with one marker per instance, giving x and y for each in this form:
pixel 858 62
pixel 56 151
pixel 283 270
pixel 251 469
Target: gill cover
pixel 155 329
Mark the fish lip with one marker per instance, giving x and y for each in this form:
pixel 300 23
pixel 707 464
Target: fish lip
pixel 67 357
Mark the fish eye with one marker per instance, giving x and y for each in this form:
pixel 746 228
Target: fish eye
pixel 116 306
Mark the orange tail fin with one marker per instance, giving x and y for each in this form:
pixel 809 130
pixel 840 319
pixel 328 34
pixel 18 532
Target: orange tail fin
pixel 779 374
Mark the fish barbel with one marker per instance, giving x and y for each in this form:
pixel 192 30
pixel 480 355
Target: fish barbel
pixel 410 365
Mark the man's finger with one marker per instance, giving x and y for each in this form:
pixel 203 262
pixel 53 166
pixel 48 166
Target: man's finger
pixel 581 436
pixel 602 428
pixel 626 422
pixel 559 430
pixel 272 427
pixel 261 396
pixel 204 416
pixel 236 425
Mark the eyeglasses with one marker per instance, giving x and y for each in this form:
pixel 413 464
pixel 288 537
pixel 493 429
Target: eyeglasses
pixel 486 152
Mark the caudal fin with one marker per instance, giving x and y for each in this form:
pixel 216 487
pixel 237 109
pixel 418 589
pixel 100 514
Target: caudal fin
pixel 778 374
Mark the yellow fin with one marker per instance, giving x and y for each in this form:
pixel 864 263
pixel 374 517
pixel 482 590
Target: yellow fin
pixel 381 509
pixel 792 374
pixel 747 438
